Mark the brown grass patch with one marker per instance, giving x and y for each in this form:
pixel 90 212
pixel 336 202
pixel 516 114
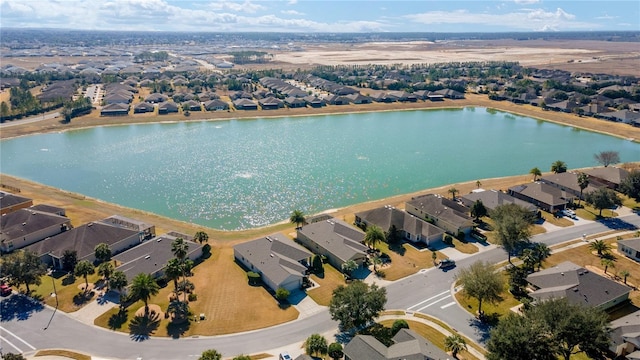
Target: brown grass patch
pixel 63 353
pixel 330 281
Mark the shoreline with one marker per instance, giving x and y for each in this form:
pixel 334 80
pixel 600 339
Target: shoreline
pixel 620 130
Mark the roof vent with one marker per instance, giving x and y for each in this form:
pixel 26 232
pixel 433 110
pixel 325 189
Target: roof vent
pixel 148 257
pixel 575 289
pixel 24 223
pixel 562 273
pixel 89 224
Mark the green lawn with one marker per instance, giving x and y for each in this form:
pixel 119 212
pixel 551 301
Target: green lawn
pixel 70 297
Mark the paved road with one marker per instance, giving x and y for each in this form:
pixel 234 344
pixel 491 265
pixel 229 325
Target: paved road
pixel 22 326
pixel 29 120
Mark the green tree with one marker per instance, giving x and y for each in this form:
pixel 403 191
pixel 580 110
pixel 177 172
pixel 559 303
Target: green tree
pixel 434 257
pixel 12 356
pixel 315 344
pixel 393 235
pixel 536 173
pixel 282 294
pixel 583 182
pixel 143 287
pixel 335 351
pixel 600 246
pixel 572 327
pixel 242 357
pixel 480 281
pixel 316 264
pixel 528 259
pixel 478 210
pixel 173 271
pixel 516 337
pixel 348 267
pixel 455 343
pixel 606 158
pixel 22 267
pixel 357 304
pixel 631 185
pixel 398 325
pixel 106 271
pixel 84 268
pixel 118 280
pixel 201 237
pixel 210 354
pixel 625 274
pixel 607 263
pixel 512 224
pixel 517 280
pixel 373 236
pixel 69 259
pixel 558 167
pixel 179 310
pixel 102 253
pixel 478 184
pixel 297 217
pixel 180 249
pixel 453 191
pixel 603 198
pixel 541 252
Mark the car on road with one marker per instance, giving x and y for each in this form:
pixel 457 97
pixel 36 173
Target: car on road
pixel 446 263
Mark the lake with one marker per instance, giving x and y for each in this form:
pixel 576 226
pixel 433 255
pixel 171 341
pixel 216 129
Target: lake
pixel 239 174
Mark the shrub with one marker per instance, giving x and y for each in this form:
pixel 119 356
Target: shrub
pixel 282 294
pixel 397 325
pixel 254 278
pixel 448 240
pixel 193 297
pixel 461 235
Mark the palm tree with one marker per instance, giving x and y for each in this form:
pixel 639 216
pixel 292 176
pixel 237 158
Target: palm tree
pixel 535 172
pixel 542 252
pixel 118 280
pixel 453 191
pixel 624 273
pixel 600 246
pixel 607 263
pixel 84 268
pixel 558 166
pixel 180 248
pixel 455 343
pixel 106 270
pixel 173 271
pixel 583 182
pixel 143 287
pixel 297 217
pixel 201 237
pixel 478 184
pixel 434 257
pixel 373 235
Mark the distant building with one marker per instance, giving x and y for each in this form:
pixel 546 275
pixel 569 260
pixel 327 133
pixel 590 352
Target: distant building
pixel 11 202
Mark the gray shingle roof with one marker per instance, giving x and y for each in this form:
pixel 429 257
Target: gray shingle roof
pixel 542 192
pixel 9 199
pixel 22 222
pixel 493 198
pixel 408 346
pixel 631 243
pixel 575 283
pixel 337 237
pixel 612 174
pixel 441 208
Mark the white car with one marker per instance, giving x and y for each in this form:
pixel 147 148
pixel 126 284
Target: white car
pixel 284 356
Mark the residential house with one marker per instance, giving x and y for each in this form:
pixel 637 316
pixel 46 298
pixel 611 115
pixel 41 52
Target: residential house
pixel 412 228
pixel 403 96
pixel 578 285
pixel 625 116
pixel 625 336
pixel 494 198
pixel 564 106
pixel 544 196
pixel 608 176
pixel 49 209
pixel 435 97
pixel 407 345
pixel 314 101
pixel 117 109
pixel 216 105
pixel 295 102
pixel 23 227
pixel 191 105
pixel 568 182
pixel 245 104
pixel 358 98
pixel 270 103
pixel 11 202
pixel 450 94
pixel 143 107
pixel 337 100
pixel 336 240
pixel 152 256
pixel 442 212
pixel 83 239
pixel 630 247
pixel 156 98
pixel 280 262
pixel 118 98
pixel 167 107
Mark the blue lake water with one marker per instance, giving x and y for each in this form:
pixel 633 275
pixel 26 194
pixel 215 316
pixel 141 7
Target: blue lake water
pixel 240 174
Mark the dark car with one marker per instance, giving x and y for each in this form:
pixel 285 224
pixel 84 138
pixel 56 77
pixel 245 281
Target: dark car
pixel 446 263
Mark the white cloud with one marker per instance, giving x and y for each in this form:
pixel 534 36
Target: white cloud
pixel 526 1
pixel 523 19
pixel 246 7
pixel 606 17
pixel 292 12
pixel 292 2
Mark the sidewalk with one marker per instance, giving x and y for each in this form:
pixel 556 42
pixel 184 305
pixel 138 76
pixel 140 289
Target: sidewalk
pixel 88 313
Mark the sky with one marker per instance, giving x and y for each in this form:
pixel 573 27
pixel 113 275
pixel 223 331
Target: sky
pixel 323 15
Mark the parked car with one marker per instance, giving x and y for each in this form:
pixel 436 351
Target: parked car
pixel 446 263
pixel 5 290
pixel 284 356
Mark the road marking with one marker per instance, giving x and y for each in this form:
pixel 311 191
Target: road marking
pixel 18 338
pixel 433 303
pixel 10 344
pixel 447 305
pixel 429 299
